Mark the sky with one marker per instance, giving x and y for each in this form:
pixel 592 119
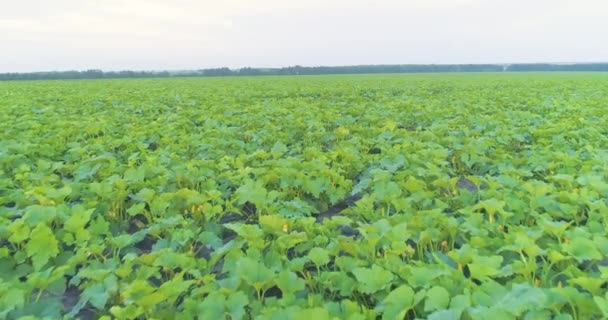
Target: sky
pixel 42 35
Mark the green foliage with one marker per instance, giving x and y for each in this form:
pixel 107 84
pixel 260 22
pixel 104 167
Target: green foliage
pixel 345 197
pixel 42 246
pixel 372 280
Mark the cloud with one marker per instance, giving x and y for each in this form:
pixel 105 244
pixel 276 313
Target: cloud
pixel 167 34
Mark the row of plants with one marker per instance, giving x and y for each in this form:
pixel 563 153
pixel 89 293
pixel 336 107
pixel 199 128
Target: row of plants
pixel 346 197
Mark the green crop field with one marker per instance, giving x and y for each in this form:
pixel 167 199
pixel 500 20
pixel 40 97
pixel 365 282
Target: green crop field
pixel 436 196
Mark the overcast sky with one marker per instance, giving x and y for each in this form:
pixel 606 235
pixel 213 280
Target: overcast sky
pixel 37 35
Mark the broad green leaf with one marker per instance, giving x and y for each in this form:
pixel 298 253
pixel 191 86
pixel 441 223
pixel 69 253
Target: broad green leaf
pixel 414 185
pixel 397 303
pixel 319 256
pixel 485 266
pixel 448 314
pixel 602 304
pixel 76 222
pixel 386 190
pixel 372 279
pixel 235 305
pixel 289 282
pixel 437 298
pixel 315 186
pixel 252 191
pixel 213 306
pixel 393 164
pixel 43 308
pixel 313 313
pixel 273 223
pixel 136 209
pixel 146 194
pixel 42 246
pixel 521 298
pixel 39 214
pixel 12 298
pixel 150 300
pixel 583 249
pixel 278 149
pixel 254 273
pixel 18 231
pixel 96 295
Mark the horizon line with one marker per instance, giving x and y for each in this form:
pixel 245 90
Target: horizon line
pixel 308 66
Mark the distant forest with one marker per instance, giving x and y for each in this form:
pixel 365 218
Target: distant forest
pixel 299 70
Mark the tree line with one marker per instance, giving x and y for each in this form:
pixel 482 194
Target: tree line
pixel 300 70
